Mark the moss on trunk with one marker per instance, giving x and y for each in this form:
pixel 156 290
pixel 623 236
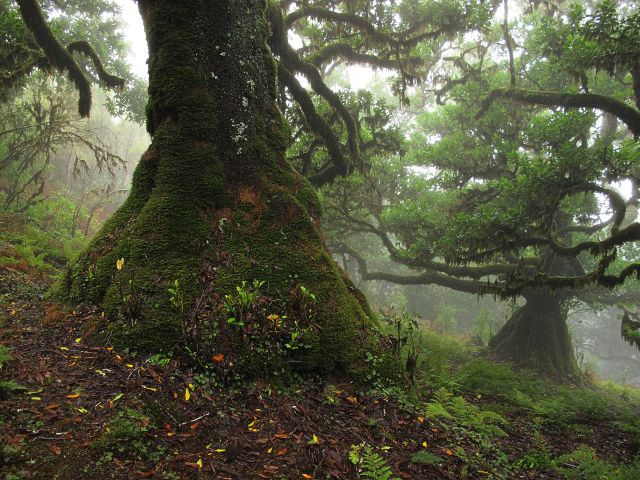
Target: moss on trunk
pixel 213 200
pixel 537 337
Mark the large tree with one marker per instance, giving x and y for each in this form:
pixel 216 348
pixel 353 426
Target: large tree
pixel 493 199
pixel 214 203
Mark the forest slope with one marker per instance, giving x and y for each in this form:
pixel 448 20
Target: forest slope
pixel 70 409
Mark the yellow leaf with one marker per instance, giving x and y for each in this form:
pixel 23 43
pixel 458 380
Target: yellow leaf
pixel 424 444
pixel 64 348
pixel 120 263
pixel 483 472
pixel 199 463
pixel 78 340
pixel 187 395
pixel 73 395
pixel 270 450
pixel 150 388
pixel 219 450
pixel 421 419
pixel 130 365
pixel 37 399
pixel 314 440
pixel 306 475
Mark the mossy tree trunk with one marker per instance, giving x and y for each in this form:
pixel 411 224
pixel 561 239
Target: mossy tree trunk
pixel 536 335
pixel 213 200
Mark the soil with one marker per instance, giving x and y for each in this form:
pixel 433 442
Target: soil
pixel 56 427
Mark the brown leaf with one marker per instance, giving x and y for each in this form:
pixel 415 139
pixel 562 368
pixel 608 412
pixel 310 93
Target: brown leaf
pixel 55 449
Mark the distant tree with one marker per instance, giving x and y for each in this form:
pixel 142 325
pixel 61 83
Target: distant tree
pixel 502 188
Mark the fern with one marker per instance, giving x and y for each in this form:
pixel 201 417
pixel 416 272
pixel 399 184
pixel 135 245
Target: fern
pixel 370 464
pixel 426 458
pixel 5 356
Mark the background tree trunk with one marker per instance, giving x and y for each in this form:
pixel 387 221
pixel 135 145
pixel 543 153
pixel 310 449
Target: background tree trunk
pixel 536 336
pixel 213 200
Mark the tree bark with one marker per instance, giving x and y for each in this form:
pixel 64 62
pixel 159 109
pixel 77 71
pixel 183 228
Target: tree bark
pixel 537 337
pixel 213 200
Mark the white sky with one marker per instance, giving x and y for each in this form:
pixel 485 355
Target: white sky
pixel 134 34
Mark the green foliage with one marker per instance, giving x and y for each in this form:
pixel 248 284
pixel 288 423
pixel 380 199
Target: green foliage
pixel 426 458
pixel 5 355
pixel 7 386
pixel 176 296
pixel 534 460
pixel 584 464
pixel 159 360
pixel 126 435
pixel 458 413
pixel 369 463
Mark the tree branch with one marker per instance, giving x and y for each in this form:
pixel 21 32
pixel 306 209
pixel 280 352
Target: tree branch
pixel 629 115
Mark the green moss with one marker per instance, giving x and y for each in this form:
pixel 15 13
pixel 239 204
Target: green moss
pixel 214 194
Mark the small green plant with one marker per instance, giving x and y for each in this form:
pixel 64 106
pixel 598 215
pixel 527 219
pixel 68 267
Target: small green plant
pixel 426 458
pixel 7 386
pixel 584 464
pixel 125 435
pixel 370 464
pixel 176 296
pixel 465 415
pixel 159 360
pixel 534 460
pixel 241 306
pixel 5 355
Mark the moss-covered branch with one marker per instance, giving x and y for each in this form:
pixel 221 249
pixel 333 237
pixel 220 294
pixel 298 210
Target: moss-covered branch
pixel 292 61
pixel 398 40
pixel 629 115
pixel 60 58
pixel 317 125
pixel 83 47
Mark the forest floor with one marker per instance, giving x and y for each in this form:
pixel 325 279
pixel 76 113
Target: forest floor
pixel 70 410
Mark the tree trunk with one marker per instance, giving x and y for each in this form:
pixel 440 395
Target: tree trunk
pixel 213 200
pixel 536 336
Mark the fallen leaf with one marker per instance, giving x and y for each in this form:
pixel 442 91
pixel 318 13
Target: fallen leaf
pixel 55 449
pixel 353 400
pixel 187 394
pixel 281 435
pixel 447 451
pixel 306 475
pixel 218 358
pixel 120 263
pixel 282 451
pixel 194 426
pixel 424 444
pixel 73 395
pixel 314 440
